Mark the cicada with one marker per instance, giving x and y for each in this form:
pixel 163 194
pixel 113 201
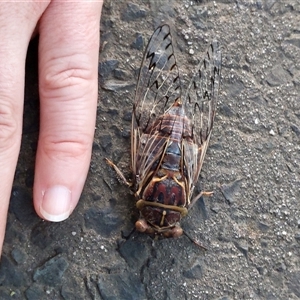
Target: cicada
pixel 170 133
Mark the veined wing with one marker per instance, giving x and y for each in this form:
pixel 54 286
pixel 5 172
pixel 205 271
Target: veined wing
pixel 157 89
pixel 200 107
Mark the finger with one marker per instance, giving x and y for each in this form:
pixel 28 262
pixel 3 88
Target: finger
pixel 17 22
pixel 68 60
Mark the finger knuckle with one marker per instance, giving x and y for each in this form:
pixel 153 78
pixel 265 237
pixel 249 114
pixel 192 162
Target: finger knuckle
pixel 74 147
pixel 69 73
pixel 8 125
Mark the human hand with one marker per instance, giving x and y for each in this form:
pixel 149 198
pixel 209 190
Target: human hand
pixel 68 66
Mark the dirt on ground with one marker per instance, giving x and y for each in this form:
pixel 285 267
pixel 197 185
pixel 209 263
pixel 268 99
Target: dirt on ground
pixel 250 226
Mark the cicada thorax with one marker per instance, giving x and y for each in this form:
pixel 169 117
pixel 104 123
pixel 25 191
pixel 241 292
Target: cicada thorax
pixel 163 195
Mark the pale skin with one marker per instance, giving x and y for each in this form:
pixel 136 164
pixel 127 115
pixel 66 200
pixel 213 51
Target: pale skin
pixel 68 88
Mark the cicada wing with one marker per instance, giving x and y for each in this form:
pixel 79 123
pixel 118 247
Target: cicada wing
pixel 149 155
pixel 200 107
pixel 157 89
pixel 190 152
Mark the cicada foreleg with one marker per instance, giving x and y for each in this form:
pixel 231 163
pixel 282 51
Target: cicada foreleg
pixel 119 172
pixel 197 197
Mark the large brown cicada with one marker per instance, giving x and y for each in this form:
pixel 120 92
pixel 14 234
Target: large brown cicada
pixel 170 134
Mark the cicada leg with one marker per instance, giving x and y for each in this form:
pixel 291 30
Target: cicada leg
pixel 194 241
pixel 118 171
pixel 203 193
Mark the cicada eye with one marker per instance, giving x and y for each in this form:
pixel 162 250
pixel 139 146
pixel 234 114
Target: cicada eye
pixel 175 232
pixel 141 225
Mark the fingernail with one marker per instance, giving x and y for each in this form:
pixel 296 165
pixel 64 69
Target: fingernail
pixel 56 204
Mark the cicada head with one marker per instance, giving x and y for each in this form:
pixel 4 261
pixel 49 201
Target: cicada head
pixel 159 220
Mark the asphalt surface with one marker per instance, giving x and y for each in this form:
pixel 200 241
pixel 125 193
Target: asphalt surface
pixel 250 226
